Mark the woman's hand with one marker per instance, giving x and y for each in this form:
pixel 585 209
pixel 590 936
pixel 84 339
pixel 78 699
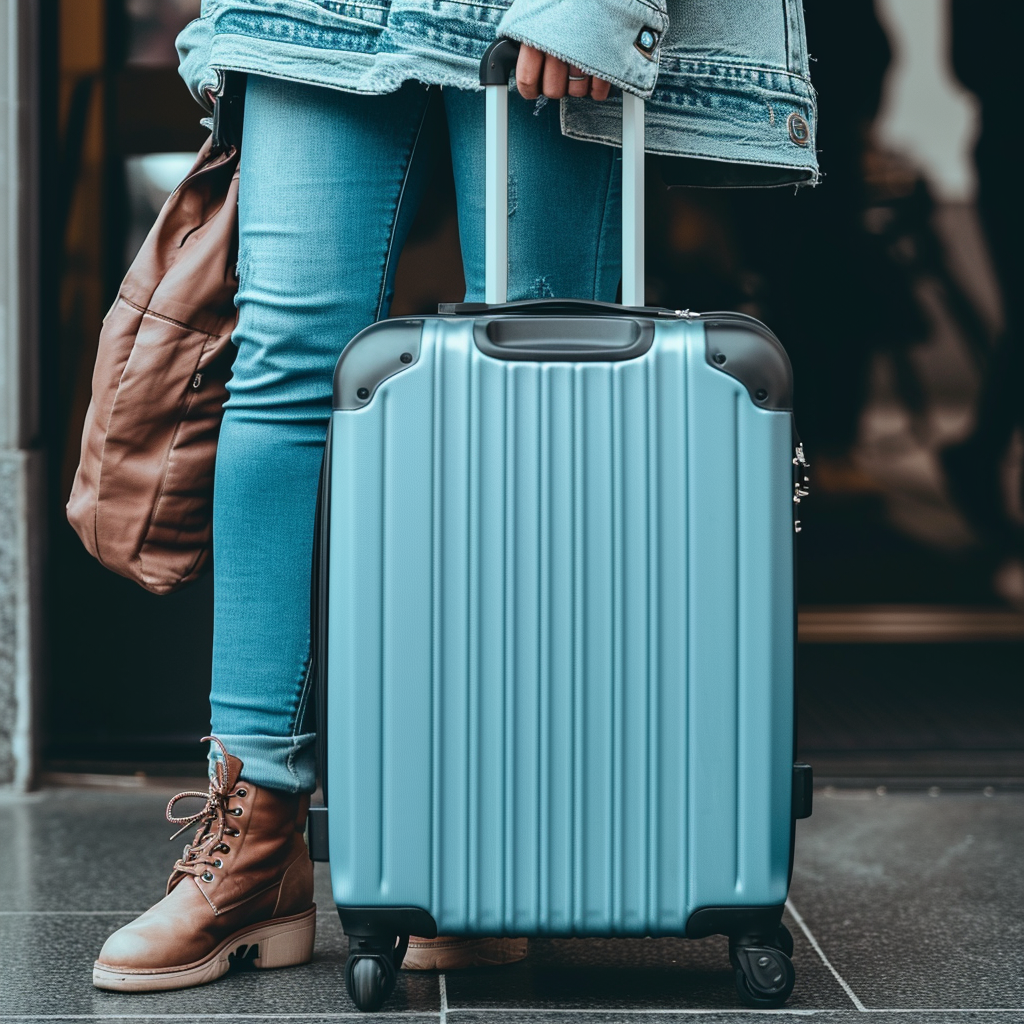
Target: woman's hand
pixel 538 72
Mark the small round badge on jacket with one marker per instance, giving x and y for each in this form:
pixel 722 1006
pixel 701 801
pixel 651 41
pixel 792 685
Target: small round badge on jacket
pixel 799 130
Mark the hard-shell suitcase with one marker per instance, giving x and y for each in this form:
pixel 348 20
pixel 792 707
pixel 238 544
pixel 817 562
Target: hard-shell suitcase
pixel 554 621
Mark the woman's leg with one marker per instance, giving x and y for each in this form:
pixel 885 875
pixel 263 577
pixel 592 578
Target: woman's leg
pixel 564 199
pixel 326 198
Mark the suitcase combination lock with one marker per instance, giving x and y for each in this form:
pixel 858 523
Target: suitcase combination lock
pixel 801 481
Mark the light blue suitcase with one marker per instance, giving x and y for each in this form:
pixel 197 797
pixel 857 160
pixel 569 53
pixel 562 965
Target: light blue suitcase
pixel 554 623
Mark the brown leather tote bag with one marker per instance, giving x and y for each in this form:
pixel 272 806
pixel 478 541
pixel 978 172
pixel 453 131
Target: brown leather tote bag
pixel 143 493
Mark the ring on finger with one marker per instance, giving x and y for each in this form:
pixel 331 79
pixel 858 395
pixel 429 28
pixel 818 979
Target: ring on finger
pixel 578 78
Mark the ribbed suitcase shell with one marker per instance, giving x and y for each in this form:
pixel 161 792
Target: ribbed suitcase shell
pixel 560 653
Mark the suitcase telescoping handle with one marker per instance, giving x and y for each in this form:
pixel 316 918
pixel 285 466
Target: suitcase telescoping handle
pixel 497 65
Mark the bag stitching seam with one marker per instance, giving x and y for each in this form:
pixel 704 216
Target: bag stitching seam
pixel 146 311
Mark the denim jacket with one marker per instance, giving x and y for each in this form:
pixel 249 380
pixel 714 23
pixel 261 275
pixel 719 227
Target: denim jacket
pixel 726 81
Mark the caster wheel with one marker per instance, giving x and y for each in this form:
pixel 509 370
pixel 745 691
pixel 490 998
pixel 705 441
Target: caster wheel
pixel 784 940
pixel 764 977
pixel 369 980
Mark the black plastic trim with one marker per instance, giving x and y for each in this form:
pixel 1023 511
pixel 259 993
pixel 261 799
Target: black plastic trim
pixel 317 835
pixel 795 620
pixel 803 790
pixel 693 172
pixel 229 110
pixel 749 925
pixel 563 339
pixel 745 349
pixel 316 822
pixel 498 62
pixel 318 609
pixel 366 922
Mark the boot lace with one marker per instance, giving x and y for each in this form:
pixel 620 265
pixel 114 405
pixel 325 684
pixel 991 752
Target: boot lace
pixel 198 856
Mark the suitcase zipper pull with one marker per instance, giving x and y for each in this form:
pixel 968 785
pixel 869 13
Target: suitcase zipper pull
pixel 801 481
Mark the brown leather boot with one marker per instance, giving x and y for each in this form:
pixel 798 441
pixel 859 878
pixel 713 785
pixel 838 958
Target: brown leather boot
pixel 243 889
pixel 447 953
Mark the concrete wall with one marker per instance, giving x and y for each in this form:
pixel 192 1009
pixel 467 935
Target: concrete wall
pixel 22 506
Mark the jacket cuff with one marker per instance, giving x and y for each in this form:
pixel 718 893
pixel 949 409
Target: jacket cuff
pixel 194 44
pixel 620 43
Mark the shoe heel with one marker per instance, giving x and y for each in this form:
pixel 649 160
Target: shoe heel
pixel 288 944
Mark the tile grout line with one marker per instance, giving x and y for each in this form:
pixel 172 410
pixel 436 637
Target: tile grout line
pixel 711 1011
pixel 653 1012
pixel 443 986
pixel 824 959
pixel 356 1015
pixel 345 1015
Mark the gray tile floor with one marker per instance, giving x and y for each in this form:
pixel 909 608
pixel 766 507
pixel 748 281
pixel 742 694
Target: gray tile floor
pixel 906 906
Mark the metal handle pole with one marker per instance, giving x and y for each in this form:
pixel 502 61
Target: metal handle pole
pixel 496 196
pixel 495 68
pixel 632 200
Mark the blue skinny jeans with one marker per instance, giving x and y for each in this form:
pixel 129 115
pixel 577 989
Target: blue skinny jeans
pixel 330 183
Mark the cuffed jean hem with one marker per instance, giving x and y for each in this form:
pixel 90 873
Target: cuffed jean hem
pixel 277 762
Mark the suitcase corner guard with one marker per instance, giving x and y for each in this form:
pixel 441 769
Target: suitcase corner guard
pixel 748 351
pixel 377 352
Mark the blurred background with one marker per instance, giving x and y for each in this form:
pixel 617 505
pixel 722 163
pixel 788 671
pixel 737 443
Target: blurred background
pixel 894 286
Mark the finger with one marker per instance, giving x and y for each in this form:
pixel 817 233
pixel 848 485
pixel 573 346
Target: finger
pixel 529 67
pixel 599 89
pixel 580 87
pixel 556 77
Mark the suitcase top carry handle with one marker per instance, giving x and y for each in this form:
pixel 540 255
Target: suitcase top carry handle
pixel 495 68
pixel 563 339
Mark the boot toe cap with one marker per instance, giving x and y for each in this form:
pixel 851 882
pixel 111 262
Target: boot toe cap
pixel 164 937
pixel 125 949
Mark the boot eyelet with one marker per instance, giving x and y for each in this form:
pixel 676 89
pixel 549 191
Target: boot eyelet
pixel 242 793
pixel 218 863
pixel 207 876
pixel 236 811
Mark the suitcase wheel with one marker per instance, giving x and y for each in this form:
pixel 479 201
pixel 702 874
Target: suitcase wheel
pixel 764 976
pixel 372 970
pixel 369 980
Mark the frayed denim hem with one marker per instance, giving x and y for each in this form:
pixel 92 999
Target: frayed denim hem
pixel 277 762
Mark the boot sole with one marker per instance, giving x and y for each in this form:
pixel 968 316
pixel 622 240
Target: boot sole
pixel 284 942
